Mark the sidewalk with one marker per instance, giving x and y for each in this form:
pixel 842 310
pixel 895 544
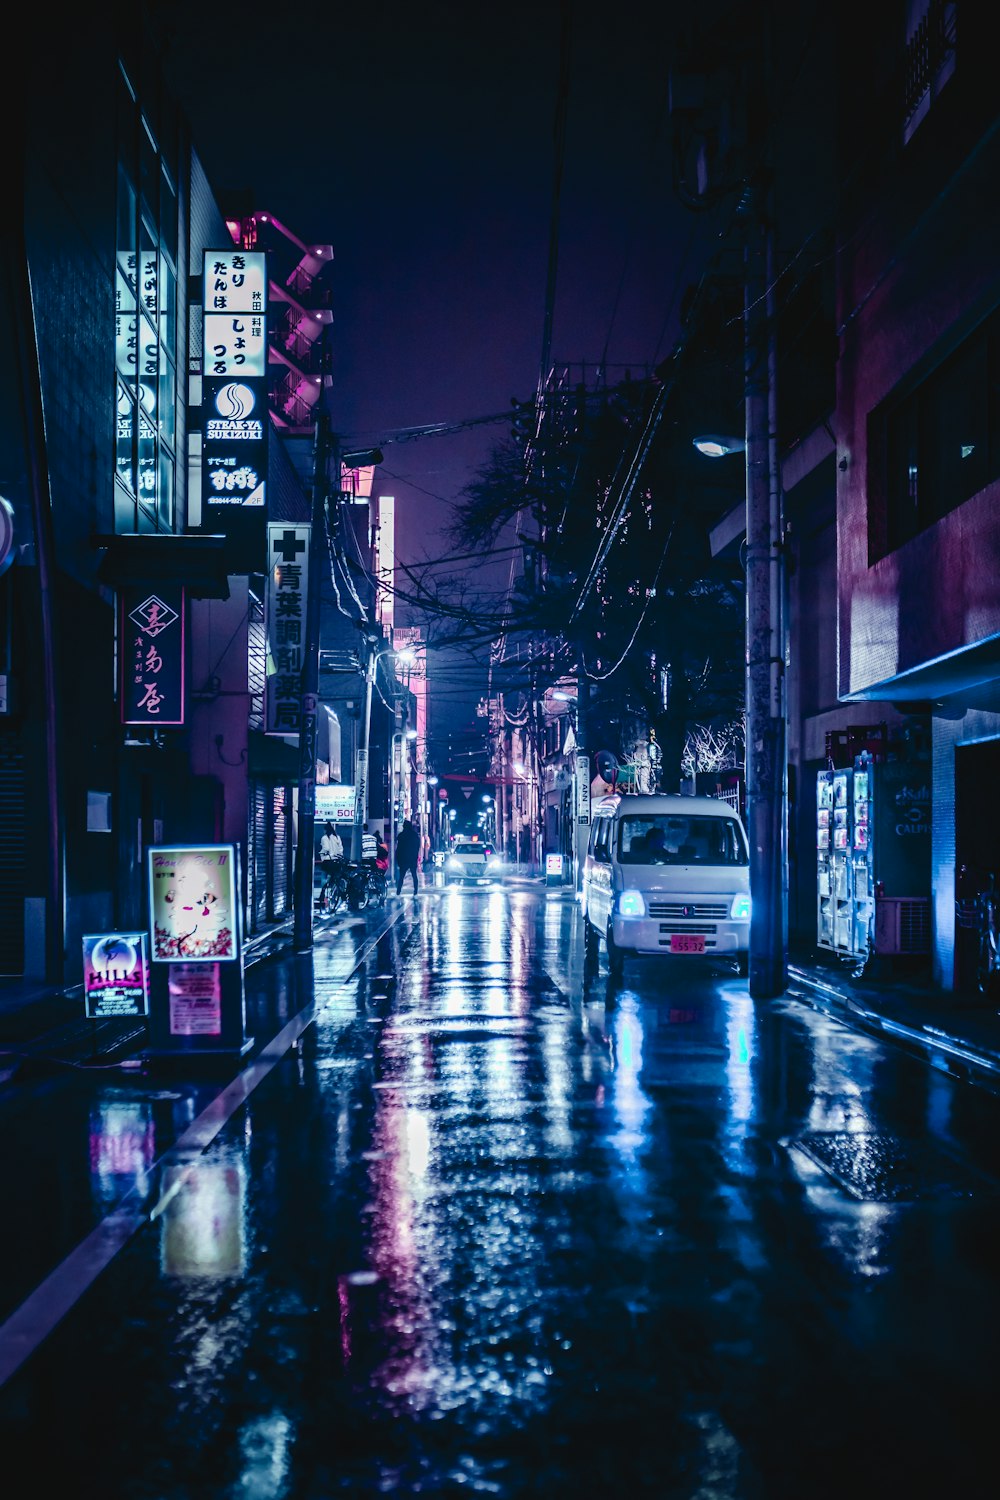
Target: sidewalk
pixel 953 1031
pixel 39 1024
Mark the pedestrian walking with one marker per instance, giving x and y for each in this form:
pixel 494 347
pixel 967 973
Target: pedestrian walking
pixel 407 854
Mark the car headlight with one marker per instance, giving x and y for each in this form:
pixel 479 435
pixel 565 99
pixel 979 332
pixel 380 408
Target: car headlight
pixel 454 864
pixel 495 863
pixel 741 908
pixel 631 904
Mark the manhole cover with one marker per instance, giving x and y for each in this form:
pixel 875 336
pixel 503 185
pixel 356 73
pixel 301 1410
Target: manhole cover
pixel 879 1168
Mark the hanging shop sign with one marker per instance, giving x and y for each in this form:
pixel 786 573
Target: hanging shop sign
pixel 234 445
pixel 151 654
pixel 285 616
pixel 235 313
pixel 234 406
pixel 582 788
pixel 193 903
pixel 6 535
pixel 115 975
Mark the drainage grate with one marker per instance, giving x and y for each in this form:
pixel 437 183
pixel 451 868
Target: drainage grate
pixel 877 1168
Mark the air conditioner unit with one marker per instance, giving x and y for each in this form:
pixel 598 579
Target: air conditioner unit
pixel 902 924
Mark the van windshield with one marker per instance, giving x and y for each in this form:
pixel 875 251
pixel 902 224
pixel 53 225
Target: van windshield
pixel 675 839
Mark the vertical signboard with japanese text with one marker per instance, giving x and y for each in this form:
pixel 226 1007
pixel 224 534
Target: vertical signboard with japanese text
pixel 235 418
pixel 287 590
pixel 151 654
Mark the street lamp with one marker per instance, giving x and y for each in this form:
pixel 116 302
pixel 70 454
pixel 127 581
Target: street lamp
pixel 404 657
pixel 718 445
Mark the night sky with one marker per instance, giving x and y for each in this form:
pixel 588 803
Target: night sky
pixel 420 143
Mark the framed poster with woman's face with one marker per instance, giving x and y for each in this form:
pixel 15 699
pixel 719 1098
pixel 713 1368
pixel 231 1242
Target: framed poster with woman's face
pixel 193 903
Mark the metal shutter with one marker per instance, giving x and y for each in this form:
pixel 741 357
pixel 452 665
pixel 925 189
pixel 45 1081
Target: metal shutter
pixel 11 855
pixel 257 860
pixel 280 868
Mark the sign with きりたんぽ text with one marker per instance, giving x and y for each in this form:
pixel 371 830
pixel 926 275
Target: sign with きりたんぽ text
pixel 193 894
pixel 234 298
pixel 151 655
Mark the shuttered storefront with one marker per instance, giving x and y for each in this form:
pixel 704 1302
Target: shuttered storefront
pixel 257 860
pixel 279 881
pixel 12 850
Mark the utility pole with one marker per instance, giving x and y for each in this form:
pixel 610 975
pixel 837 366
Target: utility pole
pixel 395 779
pixel 361 763
pixel 766 708
pixel 303 916
pixel 581 774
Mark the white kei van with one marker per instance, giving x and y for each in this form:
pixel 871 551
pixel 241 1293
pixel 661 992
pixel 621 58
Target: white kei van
pixel 666 875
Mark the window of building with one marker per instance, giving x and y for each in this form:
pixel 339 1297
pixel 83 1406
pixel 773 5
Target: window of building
pixel 145 325
pixel 929 61
pixel 939 443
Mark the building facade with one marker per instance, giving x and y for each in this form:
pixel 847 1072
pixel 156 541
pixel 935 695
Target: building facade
pixel 100 360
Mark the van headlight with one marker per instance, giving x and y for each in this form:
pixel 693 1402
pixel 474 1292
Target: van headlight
pixel 741 908
pixel 631 904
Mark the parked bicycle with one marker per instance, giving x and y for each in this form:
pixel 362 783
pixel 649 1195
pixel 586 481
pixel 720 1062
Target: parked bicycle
pixel 977 911
pixel 333 894
pixel 366 886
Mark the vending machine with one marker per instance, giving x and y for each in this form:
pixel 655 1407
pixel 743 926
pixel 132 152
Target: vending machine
pixel 891 856
pixel 834 868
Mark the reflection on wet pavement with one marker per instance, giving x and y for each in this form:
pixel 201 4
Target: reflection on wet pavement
pixel 482 1225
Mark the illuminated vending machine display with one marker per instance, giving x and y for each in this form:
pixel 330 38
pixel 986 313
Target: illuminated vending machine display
pixel 863 885
pixel 833 837
pixel 824 886
pixel 890 856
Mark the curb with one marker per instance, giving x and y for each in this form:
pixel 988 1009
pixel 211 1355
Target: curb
pixel 956 1054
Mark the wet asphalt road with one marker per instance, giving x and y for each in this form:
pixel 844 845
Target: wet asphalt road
pixel 471 1226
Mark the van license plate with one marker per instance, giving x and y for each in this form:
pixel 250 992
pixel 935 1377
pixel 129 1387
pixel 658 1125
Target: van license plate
pixel 687 942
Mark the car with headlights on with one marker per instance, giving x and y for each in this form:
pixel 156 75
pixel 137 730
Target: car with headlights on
pixel 666 874
pixel 470 862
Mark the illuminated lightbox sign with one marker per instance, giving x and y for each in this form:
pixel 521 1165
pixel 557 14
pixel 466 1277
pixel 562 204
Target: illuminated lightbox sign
pixel 285 615
pixel 234 300
pixel 151 655
pixel 235 345
pixel 115 980
pixel 235 281
pixel 193 903
pixel 334 804
pixel 234 443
